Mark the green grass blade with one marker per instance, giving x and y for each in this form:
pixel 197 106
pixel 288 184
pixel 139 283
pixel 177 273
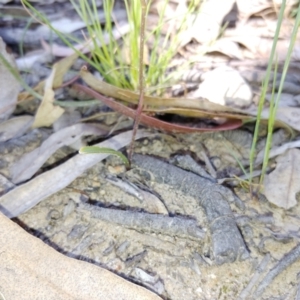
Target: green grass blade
pixel 97 150
pixel 274 106
pixel 264 91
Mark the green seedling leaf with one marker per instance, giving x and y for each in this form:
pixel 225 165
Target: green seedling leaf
pixel 96 150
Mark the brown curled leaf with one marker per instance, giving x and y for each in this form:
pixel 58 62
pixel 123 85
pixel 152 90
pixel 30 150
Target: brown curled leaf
pixel 153 122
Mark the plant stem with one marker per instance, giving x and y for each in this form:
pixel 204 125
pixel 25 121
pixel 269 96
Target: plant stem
pixel 141 78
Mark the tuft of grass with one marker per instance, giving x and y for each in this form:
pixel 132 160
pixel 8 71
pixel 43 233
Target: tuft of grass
pixel 274 101
pixel 118 62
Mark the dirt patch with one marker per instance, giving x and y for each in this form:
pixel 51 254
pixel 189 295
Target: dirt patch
pixel 175 268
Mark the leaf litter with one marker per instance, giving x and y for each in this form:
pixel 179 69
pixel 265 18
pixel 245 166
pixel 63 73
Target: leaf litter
pixel 47 112
pixel 282 185
pixel 258 33
pixel 29 194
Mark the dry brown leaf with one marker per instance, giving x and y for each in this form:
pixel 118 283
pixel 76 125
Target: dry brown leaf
pixel 132 97
pixel 259 7
pixel 47 112
pixel 261 47
pixel 227 47
pixel 188 107
pixel 9 85
pixel 62 68
pixel 26 96
pixel 208 23
pixel 249 8
pixel 282 185
pixel 31 269
pixel 232 88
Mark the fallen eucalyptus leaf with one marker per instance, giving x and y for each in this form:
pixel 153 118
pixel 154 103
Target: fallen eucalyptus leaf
pixel 288 115
pixel 232 88
pixel 282 185
pixel 31 162
pixel 47 112
pixel 276 151
pixel 31 193
pixel 132 97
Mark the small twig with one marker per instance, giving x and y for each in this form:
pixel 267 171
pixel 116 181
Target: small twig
pixel 284 263
pixel 126 186
pixel 69 82
pixel 297 297
pixel 140 221
pixel 141 78
pixel 260 269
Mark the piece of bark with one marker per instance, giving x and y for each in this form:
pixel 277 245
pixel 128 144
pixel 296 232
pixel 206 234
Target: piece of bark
pixel 227 242
pixel 145 222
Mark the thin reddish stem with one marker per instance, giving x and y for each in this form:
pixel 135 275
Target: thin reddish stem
pixel 153 122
